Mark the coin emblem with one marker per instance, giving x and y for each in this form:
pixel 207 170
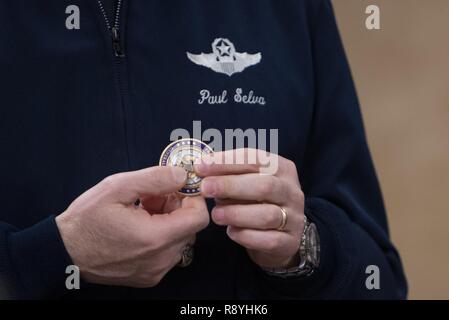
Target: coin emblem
pixel 184 153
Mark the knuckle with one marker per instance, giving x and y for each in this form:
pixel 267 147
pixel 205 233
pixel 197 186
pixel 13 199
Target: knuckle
pixel 223 185
pixel 301 196
pixel 266 187
pixel 204 221
pixel 199 221
pixel 232 214
pixel 110 183
pixel 296 195
pixel 272 217
pixel 113 184
pixel 156 175
pixel 290 165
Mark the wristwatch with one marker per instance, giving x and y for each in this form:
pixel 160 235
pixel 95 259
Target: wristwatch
pixel 309 254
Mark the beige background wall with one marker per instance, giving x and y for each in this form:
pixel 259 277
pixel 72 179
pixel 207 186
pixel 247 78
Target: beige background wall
pixel 402 76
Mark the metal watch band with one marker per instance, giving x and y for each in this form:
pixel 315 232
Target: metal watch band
pixel 304 268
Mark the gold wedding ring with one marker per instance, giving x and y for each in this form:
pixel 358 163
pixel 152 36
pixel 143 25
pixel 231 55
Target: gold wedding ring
pixel 284 219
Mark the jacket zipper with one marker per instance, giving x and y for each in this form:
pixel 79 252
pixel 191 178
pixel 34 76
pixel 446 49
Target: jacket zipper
pixel 119 69
pixel 114 28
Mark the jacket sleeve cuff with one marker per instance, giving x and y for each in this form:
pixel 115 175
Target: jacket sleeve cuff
pixel 40 259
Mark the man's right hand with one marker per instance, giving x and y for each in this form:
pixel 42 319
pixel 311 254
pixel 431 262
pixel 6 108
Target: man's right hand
pixel 116 242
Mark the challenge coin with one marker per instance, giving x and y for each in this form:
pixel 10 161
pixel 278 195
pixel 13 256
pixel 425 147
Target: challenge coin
pixel 184 153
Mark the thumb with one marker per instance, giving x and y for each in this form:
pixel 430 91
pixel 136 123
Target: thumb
pixel 127 187
pixel 186 221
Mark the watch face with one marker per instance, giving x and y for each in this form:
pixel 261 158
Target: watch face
pixel 313 246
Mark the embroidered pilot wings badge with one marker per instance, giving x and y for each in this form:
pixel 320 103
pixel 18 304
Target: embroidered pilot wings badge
pixel 224 58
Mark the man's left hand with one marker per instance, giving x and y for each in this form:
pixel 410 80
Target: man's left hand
pixel 249 202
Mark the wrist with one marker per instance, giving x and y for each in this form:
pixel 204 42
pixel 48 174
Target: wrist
pixel 67 232
pixel 308 257
pixel 292 262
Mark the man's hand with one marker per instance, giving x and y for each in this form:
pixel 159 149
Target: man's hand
pixel 249 203
pixel 116 242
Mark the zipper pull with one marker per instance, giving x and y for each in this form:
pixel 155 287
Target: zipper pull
pixel 118 50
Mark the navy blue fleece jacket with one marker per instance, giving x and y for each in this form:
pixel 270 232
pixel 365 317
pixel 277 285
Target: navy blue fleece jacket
pixel 77 104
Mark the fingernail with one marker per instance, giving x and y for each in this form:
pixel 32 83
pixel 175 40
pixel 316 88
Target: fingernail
pixel 218 214
pixel 207 188
pixel 179 175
